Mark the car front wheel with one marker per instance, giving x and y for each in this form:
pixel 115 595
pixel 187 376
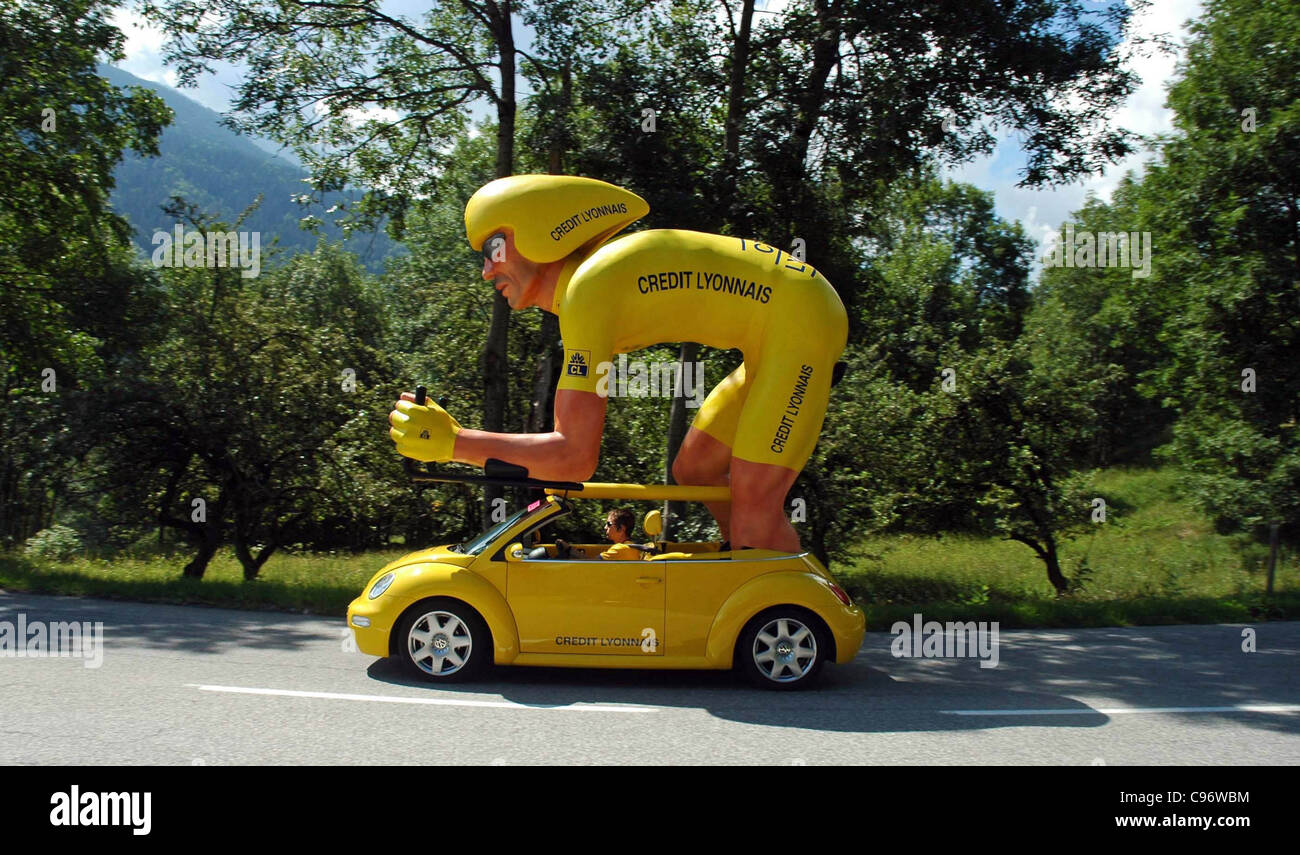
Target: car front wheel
pixel 782 648
pixel 443 640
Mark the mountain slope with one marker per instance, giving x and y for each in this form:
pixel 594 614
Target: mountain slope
pixel 222 173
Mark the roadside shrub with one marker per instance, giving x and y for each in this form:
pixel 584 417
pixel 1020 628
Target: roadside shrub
pixel 57 541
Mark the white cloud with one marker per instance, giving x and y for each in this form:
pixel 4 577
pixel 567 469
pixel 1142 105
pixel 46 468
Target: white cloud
pixel 144 43
pixel 357 116
pixel 144 59
pixel 1043 211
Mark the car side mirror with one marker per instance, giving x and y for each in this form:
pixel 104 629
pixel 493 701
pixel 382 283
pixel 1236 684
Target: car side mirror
pixel 514 552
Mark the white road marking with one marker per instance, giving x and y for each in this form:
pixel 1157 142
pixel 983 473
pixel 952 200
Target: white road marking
pixel 390 699
pixel 1266 708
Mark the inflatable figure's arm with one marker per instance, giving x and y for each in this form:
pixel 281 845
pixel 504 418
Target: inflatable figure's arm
pixel 568 453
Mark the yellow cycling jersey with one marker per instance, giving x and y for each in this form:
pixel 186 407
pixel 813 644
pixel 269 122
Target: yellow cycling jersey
pixel 622 552
pixel 671 285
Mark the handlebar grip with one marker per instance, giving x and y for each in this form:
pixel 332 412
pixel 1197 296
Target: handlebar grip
pixel 421 394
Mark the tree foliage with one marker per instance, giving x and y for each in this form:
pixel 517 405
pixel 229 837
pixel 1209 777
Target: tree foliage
pixel 1211 338
pixel 971 402
pixel 69 302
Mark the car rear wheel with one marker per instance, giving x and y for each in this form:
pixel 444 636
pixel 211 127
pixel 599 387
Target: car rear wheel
pixel 782 648
pixel 443 640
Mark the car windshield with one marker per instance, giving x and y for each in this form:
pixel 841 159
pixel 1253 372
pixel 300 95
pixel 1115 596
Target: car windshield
pixel 478 544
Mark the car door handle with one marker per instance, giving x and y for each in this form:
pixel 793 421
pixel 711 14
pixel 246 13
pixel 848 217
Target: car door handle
pixel 648 580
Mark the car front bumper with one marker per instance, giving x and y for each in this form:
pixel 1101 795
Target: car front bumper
pixel 377 618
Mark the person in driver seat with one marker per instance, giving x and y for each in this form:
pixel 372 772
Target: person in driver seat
pixel 618 528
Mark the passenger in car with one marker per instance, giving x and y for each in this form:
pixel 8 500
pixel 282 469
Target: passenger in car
pixel 618 528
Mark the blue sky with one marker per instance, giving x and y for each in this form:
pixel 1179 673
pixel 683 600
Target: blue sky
pixel 1040 211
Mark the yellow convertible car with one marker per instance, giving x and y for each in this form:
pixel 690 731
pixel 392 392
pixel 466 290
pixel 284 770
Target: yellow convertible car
pixel 509 598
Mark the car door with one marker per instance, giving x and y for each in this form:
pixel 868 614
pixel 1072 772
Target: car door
pixel 697 588
pixel 613 608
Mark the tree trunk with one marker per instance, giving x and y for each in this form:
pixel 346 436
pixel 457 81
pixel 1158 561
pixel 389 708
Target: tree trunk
pixel 494 362
pixel 8 473
pixel 206 535
pixel 8 500
pixel 809 108
pixel 1054 574
pixel 503 29
pixel 735 111
pixel 252 564
pixel 825 53
pixel 677 425
pixel 816 507
pixel 560 134
pixel 496 386
pixel 1049 557
pixel 541 413
pixel 199 563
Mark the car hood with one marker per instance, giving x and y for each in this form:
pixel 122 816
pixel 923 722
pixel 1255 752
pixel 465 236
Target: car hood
pixel 440 554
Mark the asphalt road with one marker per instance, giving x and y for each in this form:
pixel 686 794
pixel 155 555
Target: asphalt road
pixel 199 686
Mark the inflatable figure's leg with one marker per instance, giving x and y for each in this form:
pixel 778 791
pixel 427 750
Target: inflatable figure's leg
pixel 705 456
pixel 758 519
pixel 703 461
pixel 778 429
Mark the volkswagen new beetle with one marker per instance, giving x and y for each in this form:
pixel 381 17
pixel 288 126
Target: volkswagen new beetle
pixel 445 613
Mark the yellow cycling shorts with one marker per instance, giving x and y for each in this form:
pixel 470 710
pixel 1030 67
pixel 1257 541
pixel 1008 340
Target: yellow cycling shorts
pixel 771 408
pixel 667 285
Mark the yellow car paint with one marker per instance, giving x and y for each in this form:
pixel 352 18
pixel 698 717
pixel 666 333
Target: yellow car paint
pixel 677 610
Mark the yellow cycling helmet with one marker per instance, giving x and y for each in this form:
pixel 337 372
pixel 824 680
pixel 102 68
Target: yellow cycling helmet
pixel 551 215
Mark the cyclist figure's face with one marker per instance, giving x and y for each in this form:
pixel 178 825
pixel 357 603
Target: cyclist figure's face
pixel 516 277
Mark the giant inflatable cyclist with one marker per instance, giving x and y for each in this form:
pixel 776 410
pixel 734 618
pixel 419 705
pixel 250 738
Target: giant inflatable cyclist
pixel 552 241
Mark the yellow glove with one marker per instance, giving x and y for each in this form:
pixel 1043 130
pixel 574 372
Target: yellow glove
pixel 427 433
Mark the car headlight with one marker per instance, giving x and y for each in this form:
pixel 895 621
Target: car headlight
pixel 382 584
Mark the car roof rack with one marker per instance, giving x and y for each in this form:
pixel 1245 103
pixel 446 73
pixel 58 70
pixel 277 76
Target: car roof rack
pixel 502 474
pixel 495 472
pixel 646 492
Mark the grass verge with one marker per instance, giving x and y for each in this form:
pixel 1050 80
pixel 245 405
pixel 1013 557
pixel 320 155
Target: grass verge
pixel 305 583
pixel 1155 560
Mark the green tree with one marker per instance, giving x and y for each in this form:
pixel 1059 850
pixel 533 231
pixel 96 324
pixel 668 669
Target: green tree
pixel 264 399
pixel 366 98
pixel 1112 317
pixel 1226 199
pixel 996 447
pixel 946 270
pixel 71 300
pixel 958 411
pixel 847 95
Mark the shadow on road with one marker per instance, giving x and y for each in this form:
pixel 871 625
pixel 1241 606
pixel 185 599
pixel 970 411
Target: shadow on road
pixel 190 628
pixel 852 699
pixel 1173 666
pixel 1201 666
